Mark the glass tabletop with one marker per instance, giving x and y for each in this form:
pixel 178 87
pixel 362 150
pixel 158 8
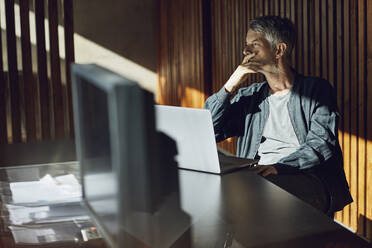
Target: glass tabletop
pixel 51 223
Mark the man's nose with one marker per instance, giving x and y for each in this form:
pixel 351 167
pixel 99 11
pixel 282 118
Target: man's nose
pixel 246 51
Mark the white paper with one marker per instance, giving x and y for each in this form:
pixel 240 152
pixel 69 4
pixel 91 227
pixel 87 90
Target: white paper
pixel 19 215
pixel 46 190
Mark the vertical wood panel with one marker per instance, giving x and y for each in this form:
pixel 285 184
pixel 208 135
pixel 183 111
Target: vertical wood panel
pixel 294 20
pixel 325 30
pixel 282 8
pixel 163 64
pixel 199 69
pixel 251 77
pixel 311 24
pixel 276 7
pixel 288 12
pixel 300 38
pixel 13 72
pixel 228 39
pixel 44 104
pixel 267 7
pixel 183 67
pixel 214 12
pixel 175 68
pixel 369 118
pixel 70 57
pixel 207 56
pixel 271 7
pixel 362 99
pixel 330 58
pixel 306 46
pixel 316 12
pixel 28 79
pixel 354 111
pixel 59 122
pixel 347 102
pixel 3 88
pixel 340 85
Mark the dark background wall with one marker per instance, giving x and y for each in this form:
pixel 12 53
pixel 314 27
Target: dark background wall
pixel 127 28
pixel 119 35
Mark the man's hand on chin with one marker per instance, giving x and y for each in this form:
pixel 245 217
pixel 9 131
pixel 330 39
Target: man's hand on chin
pixel 264 170
pixel 241 73
pixel 251 65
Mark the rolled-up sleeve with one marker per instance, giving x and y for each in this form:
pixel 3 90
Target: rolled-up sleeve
pixel 227 116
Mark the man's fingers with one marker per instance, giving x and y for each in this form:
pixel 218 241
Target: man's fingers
pixel 252 66
pixel 257 169
pixel 267 172
pixel 264 170
pixel 248 57
pixel 270 170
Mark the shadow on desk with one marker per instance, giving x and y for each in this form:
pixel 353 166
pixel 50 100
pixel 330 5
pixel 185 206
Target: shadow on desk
pixel 323 240
pixel 364 227
pixel 37 152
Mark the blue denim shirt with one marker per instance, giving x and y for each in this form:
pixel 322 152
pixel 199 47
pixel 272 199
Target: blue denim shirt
pixel 312 109
pixel 313 112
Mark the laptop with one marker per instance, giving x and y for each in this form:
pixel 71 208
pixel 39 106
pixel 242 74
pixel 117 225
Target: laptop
pixel 192 129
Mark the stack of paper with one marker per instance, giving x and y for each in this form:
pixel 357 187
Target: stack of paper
pixel 22 215
pixel 47 190
pixel 49 233
pixel 47 210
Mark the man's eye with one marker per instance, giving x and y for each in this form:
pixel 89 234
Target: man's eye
pixel 255 44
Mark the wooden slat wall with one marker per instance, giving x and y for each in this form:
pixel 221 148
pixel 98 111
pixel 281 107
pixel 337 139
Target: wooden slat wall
pixel 362 107
pixel 181 70
pixel 28 77
pixel 38 107
pixel 45 108
pixel 70 57
pixel 334 41
pixel 367 74
pixel 59 124
pixel 14 83
pixel 3 88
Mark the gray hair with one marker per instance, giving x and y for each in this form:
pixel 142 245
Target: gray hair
pixel 276 29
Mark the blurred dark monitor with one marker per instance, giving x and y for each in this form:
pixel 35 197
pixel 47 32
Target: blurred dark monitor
pixel 115 134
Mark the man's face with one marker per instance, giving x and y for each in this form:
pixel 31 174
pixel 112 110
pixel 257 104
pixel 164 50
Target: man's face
pixel 264 54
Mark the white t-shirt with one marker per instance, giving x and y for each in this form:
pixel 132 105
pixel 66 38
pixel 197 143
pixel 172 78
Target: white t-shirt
pixel 278 138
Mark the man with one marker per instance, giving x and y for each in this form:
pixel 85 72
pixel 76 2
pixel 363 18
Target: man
pixel 289 121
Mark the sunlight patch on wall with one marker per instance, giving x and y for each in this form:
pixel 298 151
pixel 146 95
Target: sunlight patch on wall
pixel 190 97
pixel 87 51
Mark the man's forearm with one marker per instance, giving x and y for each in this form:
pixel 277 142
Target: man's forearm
pixel 239 75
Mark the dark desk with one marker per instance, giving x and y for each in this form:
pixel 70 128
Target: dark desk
pixel 239 209
pixel 246 210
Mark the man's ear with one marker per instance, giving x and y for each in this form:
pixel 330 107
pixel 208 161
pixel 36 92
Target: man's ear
pixel 280 50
